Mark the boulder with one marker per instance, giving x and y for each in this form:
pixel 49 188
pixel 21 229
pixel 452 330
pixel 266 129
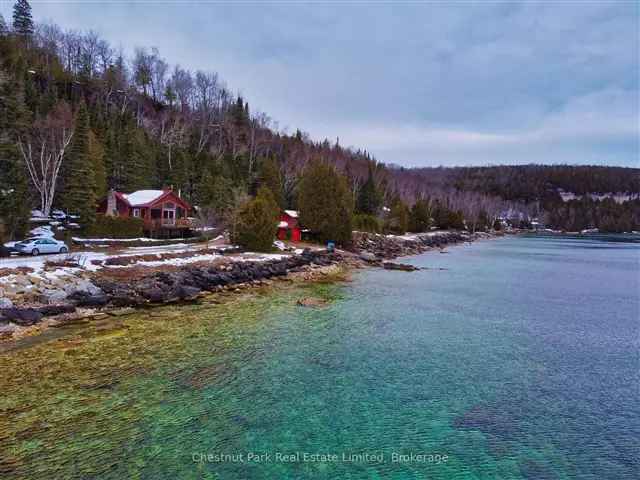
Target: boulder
pixel 5 303
pixel 6 330
pixel 53 296
pixel 154 294
pixel 56 309
pixel 368 257
pixel 86 286
pixel 186 292
pixel 22 316
pixel 399 266
pixel 83 299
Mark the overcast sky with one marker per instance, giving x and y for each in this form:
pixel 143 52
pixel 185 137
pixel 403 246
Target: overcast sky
pixel 415 83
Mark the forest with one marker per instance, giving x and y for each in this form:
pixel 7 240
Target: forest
pixel 79 117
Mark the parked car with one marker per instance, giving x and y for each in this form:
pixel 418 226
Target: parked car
pixel 36 246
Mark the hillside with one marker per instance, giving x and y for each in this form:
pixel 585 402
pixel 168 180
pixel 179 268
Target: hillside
pixel 104 121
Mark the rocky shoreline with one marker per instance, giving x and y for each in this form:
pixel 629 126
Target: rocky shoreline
pixel 84 294
pixel 375 248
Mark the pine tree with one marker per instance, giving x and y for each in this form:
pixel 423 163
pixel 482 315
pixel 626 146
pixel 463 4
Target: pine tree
pixel 440 215
pixel 420 216
pixel 271 177
pixel 14 183
pixel 257 221
pixel 3 26
pixel 397 220
pixel 215 193
pixel 325 204
pixel 22 19
pixel 79 197
pixel 369 198
pixel 134 164
pixel 96 155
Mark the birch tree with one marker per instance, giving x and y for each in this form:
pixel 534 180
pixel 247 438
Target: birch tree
pixel 43 148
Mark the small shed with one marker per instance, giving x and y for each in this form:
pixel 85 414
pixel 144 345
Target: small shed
pixel 289 227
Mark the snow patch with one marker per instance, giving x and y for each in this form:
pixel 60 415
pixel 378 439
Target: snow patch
pixel 43 232
pixel 101 240
pixel 143 196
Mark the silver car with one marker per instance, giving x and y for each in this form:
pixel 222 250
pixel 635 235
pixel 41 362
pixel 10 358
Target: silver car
pixel 36 246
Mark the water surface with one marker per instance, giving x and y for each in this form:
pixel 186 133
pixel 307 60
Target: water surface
pixel 515 358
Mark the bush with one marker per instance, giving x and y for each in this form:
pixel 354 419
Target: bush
pixel 117 227
pixel 397 220
pixel 367 223
pixel 325 203
pixel 256 223
pixel 420 216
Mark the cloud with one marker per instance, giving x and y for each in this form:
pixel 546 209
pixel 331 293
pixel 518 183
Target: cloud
pixel 596 128
pixel 413 83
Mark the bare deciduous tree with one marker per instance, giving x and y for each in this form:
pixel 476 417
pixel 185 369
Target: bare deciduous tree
pixel 43 149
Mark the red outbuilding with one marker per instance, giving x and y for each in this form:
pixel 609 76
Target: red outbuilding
pixel 289 227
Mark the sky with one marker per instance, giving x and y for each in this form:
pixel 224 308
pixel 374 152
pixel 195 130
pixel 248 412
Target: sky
pixel 414 83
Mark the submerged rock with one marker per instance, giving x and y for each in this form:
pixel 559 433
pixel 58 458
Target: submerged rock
pixel 312 302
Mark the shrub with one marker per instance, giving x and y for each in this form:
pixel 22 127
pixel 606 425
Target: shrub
pixel 420 216
pixel 367 223
pixel 117 227
pixel 257 222
pixel 397 220
pixel 325 203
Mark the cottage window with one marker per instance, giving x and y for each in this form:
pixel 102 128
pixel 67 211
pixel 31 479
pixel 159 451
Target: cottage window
pixel 136 212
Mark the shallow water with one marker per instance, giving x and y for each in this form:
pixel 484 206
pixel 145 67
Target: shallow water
pixel 513 358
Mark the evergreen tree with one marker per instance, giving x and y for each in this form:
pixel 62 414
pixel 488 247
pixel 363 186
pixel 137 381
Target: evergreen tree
pixel 3 26
pixel 369 198
pixel 397 220
pixel 14 184
pixel 257 222
pixel 215 194
pixel 325 204
pixel 420 216
pixel 271 177
pixel 240 113
pixel 456 220
pixel 441 215
pixel 483 222
pixel 367 223
pixel 79 197
pixel 134 164
pixel 22 19
pixel 96 155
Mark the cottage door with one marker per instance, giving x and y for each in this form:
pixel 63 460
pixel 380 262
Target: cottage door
pixel 168 217
pixel 169 214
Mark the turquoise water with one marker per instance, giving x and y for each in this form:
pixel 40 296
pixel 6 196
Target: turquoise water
pixel 512 358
